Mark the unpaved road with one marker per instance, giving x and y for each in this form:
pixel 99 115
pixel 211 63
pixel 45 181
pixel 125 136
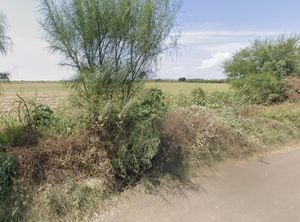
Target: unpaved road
pixel 265 190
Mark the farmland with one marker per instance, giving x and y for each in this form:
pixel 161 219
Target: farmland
pixel 56 93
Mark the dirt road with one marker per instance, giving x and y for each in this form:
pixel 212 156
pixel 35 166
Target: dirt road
pixel 265 190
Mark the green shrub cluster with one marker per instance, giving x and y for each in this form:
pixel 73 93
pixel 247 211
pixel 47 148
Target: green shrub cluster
pixel 217 99
pixel 198 96
pixel 258 71
pixel 261 88
pixel 8 170
pixel 32 119
pixel 134 135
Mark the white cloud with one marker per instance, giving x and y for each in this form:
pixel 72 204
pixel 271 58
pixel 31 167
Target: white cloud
pixel 215 61
pixel 196 37
pixel 203 51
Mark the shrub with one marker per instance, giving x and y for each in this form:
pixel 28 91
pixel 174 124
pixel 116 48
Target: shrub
pixel 8 168
pixel 32 119
pixel 17 135
pixel 135 135
pixel 32 115
pixel 220 99
pixel 198 96
pixel 42 116
pixel 261 88
pixel 193 138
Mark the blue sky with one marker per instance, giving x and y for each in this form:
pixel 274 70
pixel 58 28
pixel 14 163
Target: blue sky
pixel 212 31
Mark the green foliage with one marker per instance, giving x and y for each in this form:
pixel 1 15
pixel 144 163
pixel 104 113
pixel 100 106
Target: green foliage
pixel 32 115
pixel 8 167
pixel 198 96
pixel 220 99
pixel 113 44
pixel 279 57
pixel 135 135
pixel 32 120
pixel 42 116
pixel 4 39
pixel 9 204
pixel 258 70
pixel 261 88
pixel 17 135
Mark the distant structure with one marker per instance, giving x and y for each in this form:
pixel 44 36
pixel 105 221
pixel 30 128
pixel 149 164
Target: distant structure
pixel 182 79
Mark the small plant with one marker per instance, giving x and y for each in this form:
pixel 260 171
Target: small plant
pixel 32 119
pixel 32 115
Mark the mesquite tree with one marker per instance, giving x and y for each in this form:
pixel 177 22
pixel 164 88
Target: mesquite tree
pixel 113 44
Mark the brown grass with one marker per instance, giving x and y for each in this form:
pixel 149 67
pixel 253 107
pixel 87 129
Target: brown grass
pixel 293 87
pixel 55 159
pixel 193 137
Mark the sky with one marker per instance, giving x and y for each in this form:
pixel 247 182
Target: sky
pixel 211 32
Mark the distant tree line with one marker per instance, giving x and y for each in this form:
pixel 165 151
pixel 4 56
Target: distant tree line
pixel 183 79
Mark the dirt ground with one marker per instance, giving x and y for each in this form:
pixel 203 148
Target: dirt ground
pixel 264 189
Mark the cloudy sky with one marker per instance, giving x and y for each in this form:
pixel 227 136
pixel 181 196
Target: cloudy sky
pixel 212 30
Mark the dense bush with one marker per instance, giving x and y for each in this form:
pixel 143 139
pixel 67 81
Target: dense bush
pixel 8 168
pixel 134 135
pixel 17 135
pixel 261 88
pixel 258 71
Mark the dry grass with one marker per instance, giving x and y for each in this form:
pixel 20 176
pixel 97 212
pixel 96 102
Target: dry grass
pixel 55 159
pixel 194 138
pixel 52 94
pixel 293 86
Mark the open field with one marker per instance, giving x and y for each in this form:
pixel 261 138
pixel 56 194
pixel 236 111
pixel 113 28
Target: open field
pixel 55 93
pixel 51 94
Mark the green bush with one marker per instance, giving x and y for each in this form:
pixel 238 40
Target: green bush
pixel 135 135
pixel 8 168
pixel 198 96
pixel 261 88
pixel 32 121
pixel 17 135
pixel 42 116
pixel 220 99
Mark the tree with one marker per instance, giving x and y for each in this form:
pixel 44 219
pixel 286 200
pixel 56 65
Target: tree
pixel 280 57
pixel 4 44
pixel 4 39
pixel 113 44
pixel 257 71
